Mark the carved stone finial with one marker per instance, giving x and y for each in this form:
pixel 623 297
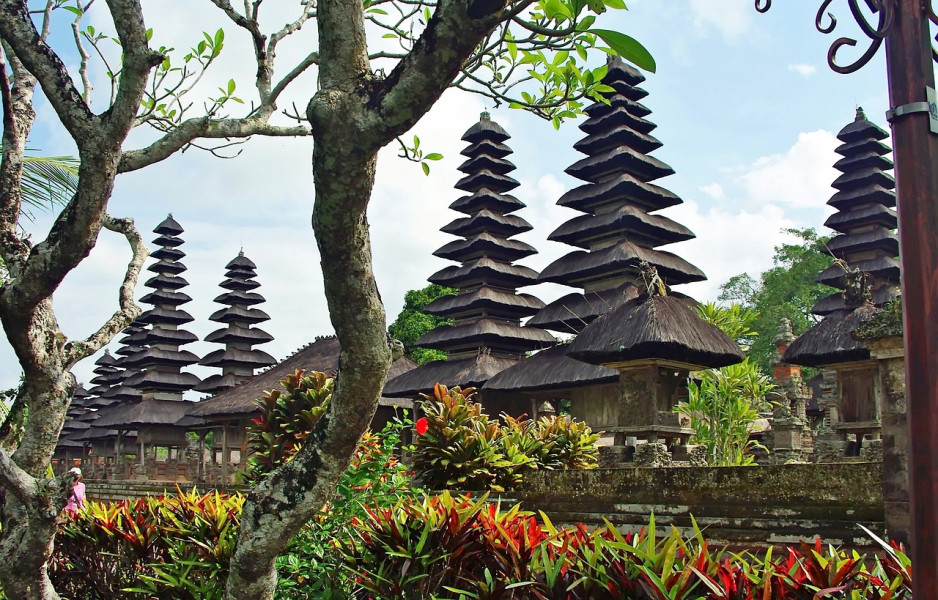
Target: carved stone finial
pixel 785 335
pixel 861 116
pixel 485 116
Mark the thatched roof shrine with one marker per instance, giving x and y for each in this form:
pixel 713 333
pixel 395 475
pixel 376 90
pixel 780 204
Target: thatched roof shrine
pixel 321 355
pixel 655 328
pixel 831 341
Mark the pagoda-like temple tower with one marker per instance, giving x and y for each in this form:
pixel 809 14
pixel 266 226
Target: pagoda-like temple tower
pixel 618 239
pixel 867 271
pixel 616 231
pixel 134 336
pixel 107 375
pixel 865 220
pixel 486 335
pixel 160 363
pixel 238 361
pixel 159 378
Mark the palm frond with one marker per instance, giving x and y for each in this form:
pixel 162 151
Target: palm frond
pixel 48 181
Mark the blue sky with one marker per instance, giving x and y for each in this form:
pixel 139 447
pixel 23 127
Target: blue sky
pixel 745 104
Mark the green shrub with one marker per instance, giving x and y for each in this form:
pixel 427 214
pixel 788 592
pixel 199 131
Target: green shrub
pixel 722 409
pixel 312 566
pixel 463 448
pixel 286 417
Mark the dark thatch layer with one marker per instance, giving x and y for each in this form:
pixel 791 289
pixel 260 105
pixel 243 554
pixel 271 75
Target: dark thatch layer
pixel 493 301
pixel 626 221
pixel 486 221
pixel 321 355
pixel 846 200
pixel 622 188
pixel 620 136
pixel 486 199
pixel 656 327
pixel 581 266
pixel 831 341
pixel 486 332
pixel 573 312
pixel 881 267
pixel 485 244
pixel 595 169
pixel 142 414
pixel 161 380
pixel 467 372
pixel 550 369
pixel 485 270
pixel 872 214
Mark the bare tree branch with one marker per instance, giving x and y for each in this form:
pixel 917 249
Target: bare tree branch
pixel 136 63
pixel 189 130
pixel 128 311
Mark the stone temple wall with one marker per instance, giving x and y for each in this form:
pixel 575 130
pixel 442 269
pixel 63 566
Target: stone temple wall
pixel 748 507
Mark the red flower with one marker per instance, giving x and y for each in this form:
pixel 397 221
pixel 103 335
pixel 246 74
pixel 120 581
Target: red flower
pixel 422 425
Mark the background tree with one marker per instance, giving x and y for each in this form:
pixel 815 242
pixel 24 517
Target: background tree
pixel 786 290
pixel 528 53
pixel 412 322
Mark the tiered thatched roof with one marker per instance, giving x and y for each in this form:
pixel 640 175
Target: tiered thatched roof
pixel 486 335
pixel 238 360
pixel 866 248
pixel 159 364
pixel 616 232
pixel 865 220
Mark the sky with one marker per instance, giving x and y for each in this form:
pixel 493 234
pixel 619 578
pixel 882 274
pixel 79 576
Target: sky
pixel 746 107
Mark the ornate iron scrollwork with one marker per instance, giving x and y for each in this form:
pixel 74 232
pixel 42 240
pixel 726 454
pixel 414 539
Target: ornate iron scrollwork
pixel 882 11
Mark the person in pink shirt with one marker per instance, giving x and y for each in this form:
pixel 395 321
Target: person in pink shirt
pixel 77 500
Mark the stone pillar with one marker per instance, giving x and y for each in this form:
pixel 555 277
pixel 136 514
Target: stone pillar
pixel 883 336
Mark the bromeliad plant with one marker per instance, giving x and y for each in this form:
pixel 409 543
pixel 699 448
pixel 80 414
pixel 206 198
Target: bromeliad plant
pixel 153 547
pixel 458 547
pixel 459 446
pixel 287 416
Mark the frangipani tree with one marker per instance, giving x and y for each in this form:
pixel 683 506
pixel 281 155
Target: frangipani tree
pixel 380 65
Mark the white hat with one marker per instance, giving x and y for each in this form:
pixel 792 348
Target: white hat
pixel 75 471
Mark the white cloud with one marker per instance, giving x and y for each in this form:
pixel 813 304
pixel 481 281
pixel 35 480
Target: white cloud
pixel 730 19
pixel 727 243
pixel 713 190
pixel 803 69
pixel 801 177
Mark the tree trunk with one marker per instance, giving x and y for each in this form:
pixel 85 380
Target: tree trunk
pixel 26 540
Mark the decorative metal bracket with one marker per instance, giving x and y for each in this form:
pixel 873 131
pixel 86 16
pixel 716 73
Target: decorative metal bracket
pixel 884 12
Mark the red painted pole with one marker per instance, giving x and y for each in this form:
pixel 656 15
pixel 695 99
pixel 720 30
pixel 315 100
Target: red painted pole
pixel 915 150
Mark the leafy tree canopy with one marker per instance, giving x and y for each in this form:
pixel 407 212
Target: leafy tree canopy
pixel 412 322
pixel 786 290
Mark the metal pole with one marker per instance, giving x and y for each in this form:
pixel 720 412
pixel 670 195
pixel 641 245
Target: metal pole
pixel 915 149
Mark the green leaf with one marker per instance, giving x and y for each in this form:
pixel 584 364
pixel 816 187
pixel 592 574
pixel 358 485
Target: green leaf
pixel 628 48
pixel 433 156
pixel 425 167
pixel 231 85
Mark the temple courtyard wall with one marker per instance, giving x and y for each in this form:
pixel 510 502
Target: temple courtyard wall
pixel 749 507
